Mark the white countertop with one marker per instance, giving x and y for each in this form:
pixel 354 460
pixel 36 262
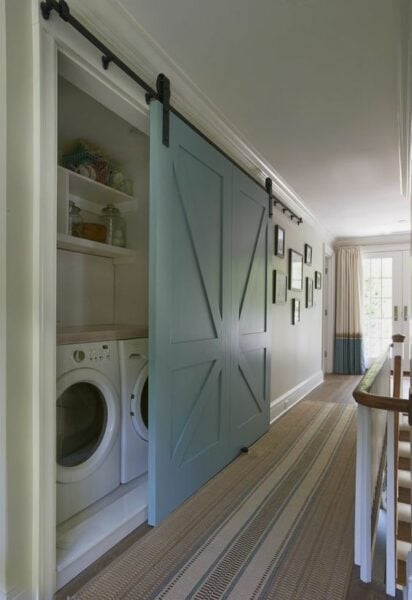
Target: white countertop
pixel 99 333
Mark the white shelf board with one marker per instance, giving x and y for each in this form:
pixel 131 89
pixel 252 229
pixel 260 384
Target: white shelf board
pixel 75 244
pixel 94 191
pixel 92 532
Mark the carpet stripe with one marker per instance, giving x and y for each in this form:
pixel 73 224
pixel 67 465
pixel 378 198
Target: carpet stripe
pixel 278 528
pixel 242 532
pixel 243 514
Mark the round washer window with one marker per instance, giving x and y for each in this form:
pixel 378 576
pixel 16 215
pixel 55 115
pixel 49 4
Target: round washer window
pixel 81 423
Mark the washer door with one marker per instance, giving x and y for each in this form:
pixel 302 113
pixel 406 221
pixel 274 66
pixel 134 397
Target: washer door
pixel 139 404
pixel 87 423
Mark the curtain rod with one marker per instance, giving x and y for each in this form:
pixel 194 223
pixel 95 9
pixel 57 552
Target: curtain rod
pixel 162 93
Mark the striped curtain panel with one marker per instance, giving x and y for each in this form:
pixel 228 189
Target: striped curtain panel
pixel 349 345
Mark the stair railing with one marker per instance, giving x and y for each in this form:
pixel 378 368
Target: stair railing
pixel 378 423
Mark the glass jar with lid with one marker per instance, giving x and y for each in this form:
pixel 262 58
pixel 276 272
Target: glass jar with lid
pixel 115 226
pixel 75 220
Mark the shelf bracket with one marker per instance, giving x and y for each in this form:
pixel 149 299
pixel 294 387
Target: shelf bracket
pixel 163 89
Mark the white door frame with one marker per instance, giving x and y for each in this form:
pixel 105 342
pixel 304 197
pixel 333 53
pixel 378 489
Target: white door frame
pixel 49 38
pixel 3 239
pixel 400 297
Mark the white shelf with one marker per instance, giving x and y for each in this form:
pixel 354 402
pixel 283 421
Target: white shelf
pixel 94 191
pixel 75 244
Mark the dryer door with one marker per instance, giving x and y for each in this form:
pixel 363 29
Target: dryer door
pixel 87 423
pixel 139 404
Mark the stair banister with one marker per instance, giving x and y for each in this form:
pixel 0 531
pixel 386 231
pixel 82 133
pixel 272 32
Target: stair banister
pixel 377 408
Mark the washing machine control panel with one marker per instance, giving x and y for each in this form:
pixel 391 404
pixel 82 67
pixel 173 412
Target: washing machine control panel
pixel 94 353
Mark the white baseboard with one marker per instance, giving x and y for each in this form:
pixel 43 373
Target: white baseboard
pixel 16 594
pixel 283 403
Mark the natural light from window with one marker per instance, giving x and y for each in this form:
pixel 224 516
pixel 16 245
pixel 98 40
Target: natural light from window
pixel 377 305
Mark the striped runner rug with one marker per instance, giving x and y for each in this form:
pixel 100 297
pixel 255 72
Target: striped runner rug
pixel 277 523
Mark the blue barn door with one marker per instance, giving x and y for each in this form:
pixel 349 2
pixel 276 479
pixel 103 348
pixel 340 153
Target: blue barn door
pixel 251 326
pixel 209 341
pixel 189 321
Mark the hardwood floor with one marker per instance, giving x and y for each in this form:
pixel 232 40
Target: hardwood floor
pixel 336 388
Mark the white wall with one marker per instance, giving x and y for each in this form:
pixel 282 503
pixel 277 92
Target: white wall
pixel 296 349
pixel 19 295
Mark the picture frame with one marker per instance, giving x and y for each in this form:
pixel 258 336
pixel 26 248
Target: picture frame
pixel 279 241
pixel 309 292
pixel 280 287
pixel 308 254
pixel 318 280
pixel 295 270
pixel 295 311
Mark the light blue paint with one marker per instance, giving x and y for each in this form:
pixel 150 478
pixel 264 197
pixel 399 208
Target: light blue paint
pixel 209 333
pixel 349 356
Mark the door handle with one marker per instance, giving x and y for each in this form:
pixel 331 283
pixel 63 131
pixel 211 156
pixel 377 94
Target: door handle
pixel 395 313
pixel 405 313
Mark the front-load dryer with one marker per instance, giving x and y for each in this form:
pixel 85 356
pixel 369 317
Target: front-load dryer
pixel 134 392
pixel 87 425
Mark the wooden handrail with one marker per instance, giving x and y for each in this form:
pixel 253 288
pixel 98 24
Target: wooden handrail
pixel 362 392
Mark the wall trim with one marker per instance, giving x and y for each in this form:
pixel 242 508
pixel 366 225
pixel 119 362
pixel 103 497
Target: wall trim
pixel 112 22
pixel 3 299
pixel 16 594
pixel 404 81
pixel 295 395
pixel 374 240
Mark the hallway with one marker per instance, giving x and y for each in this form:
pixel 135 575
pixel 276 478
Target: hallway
pixel 277 523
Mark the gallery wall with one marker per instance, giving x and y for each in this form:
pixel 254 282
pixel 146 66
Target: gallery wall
pixel 296 349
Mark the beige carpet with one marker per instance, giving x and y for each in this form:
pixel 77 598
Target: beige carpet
pixel 277 523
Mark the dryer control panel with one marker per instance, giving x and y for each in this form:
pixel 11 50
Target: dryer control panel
pixel 102 356
pixel 93 353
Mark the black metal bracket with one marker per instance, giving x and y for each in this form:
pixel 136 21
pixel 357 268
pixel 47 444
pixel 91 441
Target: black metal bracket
pixel 106 60
pixel 46 7
pixel 163 89
pixel 60 6
pixel 269 187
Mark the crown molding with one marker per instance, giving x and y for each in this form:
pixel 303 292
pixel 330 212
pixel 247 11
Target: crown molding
pixel 402 238
pixel 404 76
pixel 110 21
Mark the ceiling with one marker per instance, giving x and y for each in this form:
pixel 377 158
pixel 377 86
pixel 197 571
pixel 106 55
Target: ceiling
pixel 311 84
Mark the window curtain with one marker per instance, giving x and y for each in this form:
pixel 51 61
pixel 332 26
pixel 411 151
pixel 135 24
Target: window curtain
pixel 349 343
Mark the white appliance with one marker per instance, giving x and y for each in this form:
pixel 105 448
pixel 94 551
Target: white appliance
pixel 88 425
pixel 134 391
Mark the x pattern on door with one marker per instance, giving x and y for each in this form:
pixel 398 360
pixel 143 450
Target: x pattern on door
pixel 209 300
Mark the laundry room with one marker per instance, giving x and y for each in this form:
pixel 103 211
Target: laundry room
pixel 102 322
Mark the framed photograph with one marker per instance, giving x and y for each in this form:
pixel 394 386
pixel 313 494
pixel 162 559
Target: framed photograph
pixel 279 248
pixel 295 270
pixel 318 280
pixel 279 290
pixel 309 292
pixel 295 311
pixel 308 254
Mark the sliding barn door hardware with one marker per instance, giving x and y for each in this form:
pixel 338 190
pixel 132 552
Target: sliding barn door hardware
pixel 269 187
pixel 163 89
pixel 161 93
pixel 106 60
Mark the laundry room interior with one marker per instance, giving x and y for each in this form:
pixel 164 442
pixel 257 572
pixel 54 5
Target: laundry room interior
pixel 102 323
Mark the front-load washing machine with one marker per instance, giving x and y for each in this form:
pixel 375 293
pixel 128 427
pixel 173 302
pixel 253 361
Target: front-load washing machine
pixel 134 392
pixel 87 425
